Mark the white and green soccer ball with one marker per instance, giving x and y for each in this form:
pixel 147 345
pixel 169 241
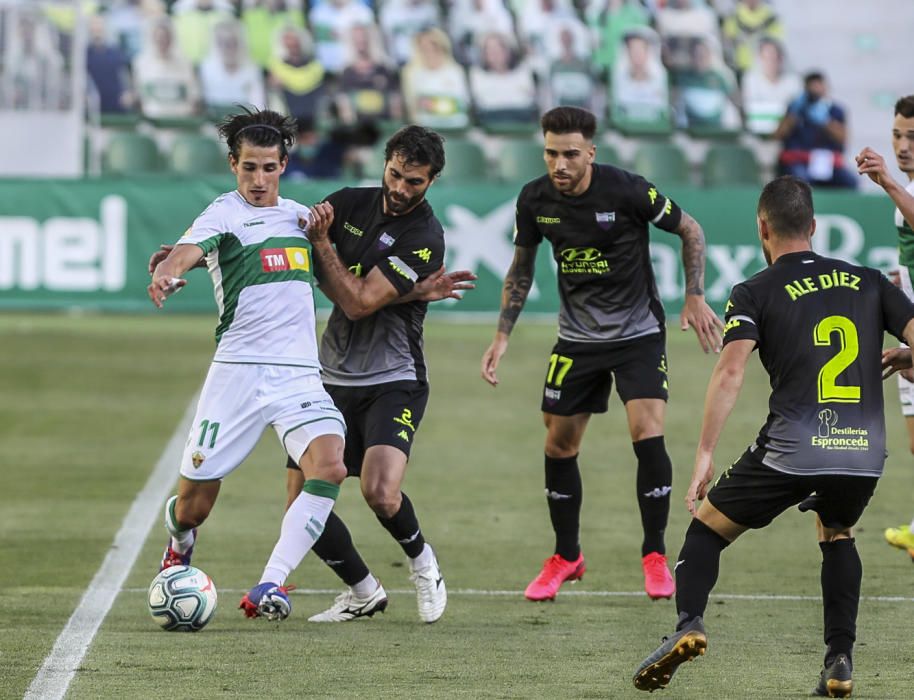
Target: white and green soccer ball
pixel 182 599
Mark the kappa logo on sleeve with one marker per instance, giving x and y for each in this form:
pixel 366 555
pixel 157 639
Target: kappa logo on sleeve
pixel 281 259
pixel 424 254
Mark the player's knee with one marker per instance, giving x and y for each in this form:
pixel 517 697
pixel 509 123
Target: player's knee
pixel 332 470
pixel 384 502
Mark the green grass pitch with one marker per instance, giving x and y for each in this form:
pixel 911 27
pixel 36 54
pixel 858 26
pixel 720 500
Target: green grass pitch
pixel 89 404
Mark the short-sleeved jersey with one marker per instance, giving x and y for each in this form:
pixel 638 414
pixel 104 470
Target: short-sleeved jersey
pixel 601 247
pixel 905 237
pixel 387 345
pixel 818 324
pixel 260 261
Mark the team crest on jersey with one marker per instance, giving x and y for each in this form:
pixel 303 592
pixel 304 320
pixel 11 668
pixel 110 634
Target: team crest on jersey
pixel 385 241
pixel 197 459
pixel 605 219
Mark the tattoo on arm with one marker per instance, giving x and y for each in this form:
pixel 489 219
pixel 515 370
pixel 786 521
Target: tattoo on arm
pixel 517 286
pixel 693 254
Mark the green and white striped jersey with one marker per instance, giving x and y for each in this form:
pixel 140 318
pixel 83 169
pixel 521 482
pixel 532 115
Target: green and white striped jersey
pixel 905 237
pixel 260 261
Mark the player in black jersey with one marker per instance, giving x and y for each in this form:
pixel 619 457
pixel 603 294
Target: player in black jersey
pixel 818 325
pixel 611 327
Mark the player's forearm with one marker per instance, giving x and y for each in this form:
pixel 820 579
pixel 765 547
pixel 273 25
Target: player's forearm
pixel 339 285
pixel 902 199
pixel 693 254
pixel 516 288
pixel 723 391
pixel 181 259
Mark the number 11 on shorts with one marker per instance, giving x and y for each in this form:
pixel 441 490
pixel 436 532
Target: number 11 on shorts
pixel 213 428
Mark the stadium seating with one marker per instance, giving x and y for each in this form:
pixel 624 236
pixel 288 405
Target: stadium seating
pixel 130 154
pixel 730 164
pixel 662 163
pixel 196 155
pixel 465 160
pixel 520 160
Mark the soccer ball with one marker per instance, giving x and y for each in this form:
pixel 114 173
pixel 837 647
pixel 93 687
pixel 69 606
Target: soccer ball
pixel 182 599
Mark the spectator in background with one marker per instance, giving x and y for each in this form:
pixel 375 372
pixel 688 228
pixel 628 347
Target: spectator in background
pixel 194 22
pixel 537 23
pixel 768 88
pixel 369 89
pixel 814 134
pixel 435 89
pixel 401 20
pixel 127 21
pixel 470 19
pixel 263 21
pixel 745 27
pixel 108 69
pixel 228 76
pixel 33 74
pixel 705 94
pixel 610 21
pixel 640 85
pixel 331 21
pixel 571 78
pixel 314 156
pixel 502 86
pixel 297 74
pixel 678 23
pixel 164 78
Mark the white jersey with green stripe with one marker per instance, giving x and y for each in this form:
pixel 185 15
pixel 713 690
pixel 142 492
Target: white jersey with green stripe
pixel 260 261
pixel 905 237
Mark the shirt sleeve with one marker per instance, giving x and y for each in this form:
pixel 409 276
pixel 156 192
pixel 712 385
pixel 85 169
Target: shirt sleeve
pixel 416 254
pixel 741 316
pixel 897 309
pixel 208 229
pixel 526 233
pixel 653 206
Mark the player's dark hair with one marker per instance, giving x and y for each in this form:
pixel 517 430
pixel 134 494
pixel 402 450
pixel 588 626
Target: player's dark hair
pixel 905 106
pixel 813 76
pixel 258 127
pixel 569 120
pixel 786 205
pixel 417 146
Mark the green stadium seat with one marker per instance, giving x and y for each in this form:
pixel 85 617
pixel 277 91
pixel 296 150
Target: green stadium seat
pixel 660 124
pixel 129 153
pixel 197 155
pixel 119 120
pixel 464 160
pixel 730 164
pixel 520 160
pixel 664 164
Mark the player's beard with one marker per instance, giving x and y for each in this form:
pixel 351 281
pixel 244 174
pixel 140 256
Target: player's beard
pixel 401 205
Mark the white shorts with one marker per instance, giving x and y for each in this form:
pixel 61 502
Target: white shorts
pixel 906 388
pixel 239 401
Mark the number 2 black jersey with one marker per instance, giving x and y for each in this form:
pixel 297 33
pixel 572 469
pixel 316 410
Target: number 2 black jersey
pixel 601 248
pixel 818 324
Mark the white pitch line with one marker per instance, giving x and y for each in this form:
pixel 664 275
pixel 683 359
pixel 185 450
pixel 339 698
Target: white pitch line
pixel 478 592
pixel 58 669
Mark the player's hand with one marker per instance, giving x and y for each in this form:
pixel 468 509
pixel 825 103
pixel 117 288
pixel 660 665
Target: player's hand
pixel 163 287
pixel 321 218
pixel 701 479
pixel 895 277
pixel 158 256
pixel 871 164
pixel 492 357
pixel 708 327
pixel 442 284
pixel 897 360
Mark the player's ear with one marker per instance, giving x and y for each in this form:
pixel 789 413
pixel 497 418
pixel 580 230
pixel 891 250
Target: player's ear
pixel 812 230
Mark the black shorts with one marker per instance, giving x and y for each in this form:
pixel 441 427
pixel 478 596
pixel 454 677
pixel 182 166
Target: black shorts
pixel 383 414
pixel 752 494
pixel 579 376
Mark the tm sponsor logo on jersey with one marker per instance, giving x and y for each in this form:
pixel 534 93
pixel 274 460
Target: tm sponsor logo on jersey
pixel 280 259
pixel 582 261
pixel 831 437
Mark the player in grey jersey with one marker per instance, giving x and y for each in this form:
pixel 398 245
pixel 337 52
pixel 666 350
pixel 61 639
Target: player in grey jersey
pixel 818 325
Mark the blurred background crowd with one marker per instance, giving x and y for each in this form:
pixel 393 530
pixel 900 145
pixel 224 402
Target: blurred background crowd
pixel 162 72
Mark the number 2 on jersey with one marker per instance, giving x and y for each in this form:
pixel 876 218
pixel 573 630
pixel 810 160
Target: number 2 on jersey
pixel 829 391
pixel 563 364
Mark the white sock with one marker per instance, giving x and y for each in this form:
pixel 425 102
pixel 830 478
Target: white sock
pixel 425 558
pixel 181 540
pixel 366 586
pixel 301 526
pixel 911 526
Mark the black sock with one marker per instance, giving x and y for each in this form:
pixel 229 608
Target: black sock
pixel 564 494
pixel 842 572
pixel 334 547
pixel 654 482
pixel 696 570
pixel 404 526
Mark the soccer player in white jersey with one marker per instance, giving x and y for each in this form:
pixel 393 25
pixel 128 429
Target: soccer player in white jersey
pixel 870 163
pixel 266 369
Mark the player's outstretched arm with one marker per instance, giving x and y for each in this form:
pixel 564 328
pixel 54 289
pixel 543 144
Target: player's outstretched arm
pixel 166 278
pixel 873 165
pixel 441 285
pixel 517 285
pixel 162 253
pixel 723 390
pixel 695 312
